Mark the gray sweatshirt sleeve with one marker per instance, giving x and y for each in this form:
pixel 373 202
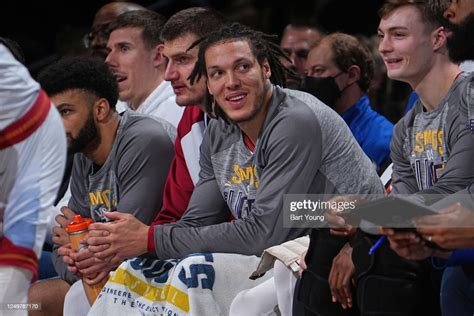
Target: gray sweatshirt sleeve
pixel 78 204
pixel 143 166
pixel 403 178
pixel 291 159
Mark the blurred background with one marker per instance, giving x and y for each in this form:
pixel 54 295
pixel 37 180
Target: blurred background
pixel 47 30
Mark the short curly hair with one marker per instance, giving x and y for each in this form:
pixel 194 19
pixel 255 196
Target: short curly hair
pixel 84 73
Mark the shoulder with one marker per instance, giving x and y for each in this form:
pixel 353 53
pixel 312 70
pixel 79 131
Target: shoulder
pixel 143 129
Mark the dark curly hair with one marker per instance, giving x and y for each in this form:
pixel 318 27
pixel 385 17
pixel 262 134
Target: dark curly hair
pixel 262 46
pixel 83 73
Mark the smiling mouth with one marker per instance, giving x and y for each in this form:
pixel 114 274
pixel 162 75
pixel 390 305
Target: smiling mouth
pixel 393 61
pixel 236 99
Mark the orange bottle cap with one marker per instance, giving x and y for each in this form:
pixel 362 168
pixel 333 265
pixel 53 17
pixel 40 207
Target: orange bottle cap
pixel 78 224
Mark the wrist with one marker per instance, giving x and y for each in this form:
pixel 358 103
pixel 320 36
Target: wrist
pixel 151 239
pixel 143 242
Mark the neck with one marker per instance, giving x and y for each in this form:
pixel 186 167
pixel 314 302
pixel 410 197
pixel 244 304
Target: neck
pixel 252 127
pixel 435 84
pixel 137 100
pixel 107 130
pixel 348 98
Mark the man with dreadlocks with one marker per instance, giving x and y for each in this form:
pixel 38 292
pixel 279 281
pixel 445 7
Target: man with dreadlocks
pixel 266 142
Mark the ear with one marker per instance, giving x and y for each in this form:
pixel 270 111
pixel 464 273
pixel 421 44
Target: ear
pixel 266 69
pixel 439 38
pixel 158 58
pixel 354 74
pixel 101 110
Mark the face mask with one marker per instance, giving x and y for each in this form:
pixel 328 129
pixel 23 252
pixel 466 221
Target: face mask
pixel 323 88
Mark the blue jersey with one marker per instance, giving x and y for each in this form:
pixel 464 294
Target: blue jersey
pixel 372 131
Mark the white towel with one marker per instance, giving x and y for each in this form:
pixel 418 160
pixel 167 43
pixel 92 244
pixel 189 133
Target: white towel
pixel 200 284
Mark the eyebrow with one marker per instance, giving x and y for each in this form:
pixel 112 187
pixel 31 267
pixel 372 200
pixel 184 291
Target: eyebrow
pixel 239 60
pixel 178 54
pixel 62 105
pixel 394 28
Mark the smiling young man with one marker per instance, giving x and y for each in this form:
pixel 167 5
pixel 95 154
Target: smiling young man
pixel 431 151
pixel 266 143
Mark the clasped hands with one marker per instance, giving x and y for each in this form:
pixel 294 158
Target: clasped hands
pixel 106 245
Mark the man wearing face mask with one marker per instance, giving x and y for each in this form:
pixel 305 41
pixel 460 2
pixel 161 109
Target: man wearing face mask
pixel 339 70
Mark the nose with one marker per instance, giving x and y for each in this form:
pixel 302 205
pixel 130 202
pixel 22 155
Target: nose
pixel 232 81
pixel 384 45
pixel 110 59
pixel 170 72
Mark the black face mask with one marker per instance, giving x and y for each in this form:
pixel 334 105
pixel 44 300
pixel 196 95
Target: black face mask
pixel 323 88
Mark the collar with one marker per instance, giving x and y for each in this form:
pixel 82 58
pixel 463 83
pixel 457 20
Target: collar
pixel 359 107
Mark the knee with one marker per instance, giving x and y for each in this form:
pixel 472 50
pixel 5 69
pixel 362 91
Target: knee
pixel 245 303
pixel 50 294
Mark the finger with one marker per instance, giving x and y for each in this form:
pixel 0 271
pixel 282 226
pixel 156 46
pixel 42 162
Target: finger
pixel 82 255
pixel 97 241
pixel 106 253
pixel 68 213
pixel 93 269
pixel 100 227
pixel 62 220
pixel 429 231
pixel 116 260
pixel 334 219
pixel 98 248
pixel 116 215
pixel 84 264
pixel 346 289
pixel 72 269
pixel 332 284
pixel 98 278
pixel 98 233
pixel 59 231
pixel 452 208
pixel 68 260
pixel 65 250
pixel 430 220
pixel 338 290
pixel 404 236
